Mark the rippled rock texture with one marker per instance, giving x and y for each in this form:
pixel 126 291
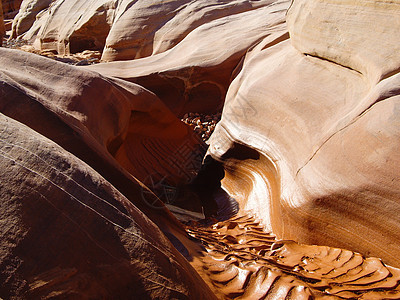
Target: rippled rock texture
pixel 322 111
pixel 309 138
pixel 66 228
pixel 243 261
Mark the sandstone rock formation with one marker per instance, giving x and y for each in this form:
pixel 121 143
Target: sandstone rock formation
pixel 321 110
pixel 26 16
pixel 142 28
pixel 243 261
pixel 195 75
pixel 2 28
pixel 10 8
pixel 66 232
pixel 55 201
pixel 125 30
pixel 309 139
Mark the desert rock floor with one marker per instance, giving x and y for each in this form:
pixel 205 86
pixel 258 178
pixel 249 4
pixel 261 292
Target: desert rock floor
pixel 242 261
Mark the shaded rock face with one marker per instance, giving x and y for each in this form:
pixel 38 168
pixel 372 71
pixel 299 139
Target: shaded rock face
pixel 10 8
pixel 2 28
pixel 66 232
pixel 113 117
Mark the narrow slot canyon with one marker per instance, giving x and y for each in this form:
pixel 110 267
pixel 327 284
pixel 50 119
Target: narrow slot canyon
pixel 199 149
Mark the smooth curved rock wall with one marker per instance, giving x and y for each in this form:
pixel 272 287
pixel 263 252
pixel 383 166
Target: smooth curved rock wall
pixel 26 16
pixel 195 75
pixel 125 29
pixel 328 127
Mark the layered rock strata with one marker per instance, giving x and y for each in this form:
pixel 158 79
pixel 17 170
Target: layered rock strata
pixel 195 75
pixel 66 232
pixel 54 197
pixel 125 29
pixel 309 134
pixel 27 15
pixel 321 112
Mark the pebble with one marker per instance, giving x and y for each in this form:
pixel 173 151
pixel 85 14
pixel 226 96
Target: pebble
pixel 202 124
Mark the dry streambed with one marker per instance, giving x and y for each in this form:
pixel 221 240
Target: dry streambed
pixel 243 261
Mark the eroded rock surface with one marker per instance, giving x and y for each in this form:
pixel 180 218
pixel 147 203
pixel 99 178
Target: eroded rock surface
pixel 2 28
pixel 244 261
pixel 195 75
pixel 309 137
pixel 10 8
pixel 124 29
pixel 26 16
pixel 66 232
pixel 143 28
pixel 325 123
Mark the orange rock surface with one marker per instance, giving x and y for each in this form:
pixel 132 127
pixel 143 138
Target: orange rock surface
pixel 321 110
pixel 309 139
pixel 2 28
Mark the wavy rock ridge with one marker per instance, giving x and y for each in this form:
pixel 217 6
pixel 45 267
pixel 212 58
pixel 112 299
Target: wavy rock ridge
pixel 308 137
pixel 243 261
pixel 323 121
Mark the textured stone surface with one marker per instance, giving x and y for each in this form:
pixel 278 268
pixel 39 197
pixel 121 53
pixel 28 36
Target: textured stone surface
pixel 326 130
pixel 361 35
pixel 309 134
pixel 10 8
pixel 26 16
pixel 194 75
pixel 66 232
pixel 142 28
pixel 107 113
pixel 126 29
pixel 2 27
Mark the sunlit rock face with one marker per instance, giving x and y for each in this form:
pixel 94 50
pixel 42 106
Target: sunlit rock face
pixel 322 110
pixel 125 29
pixel 309 139
pixel 195 75
pixel 142 28
pixel 26 16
